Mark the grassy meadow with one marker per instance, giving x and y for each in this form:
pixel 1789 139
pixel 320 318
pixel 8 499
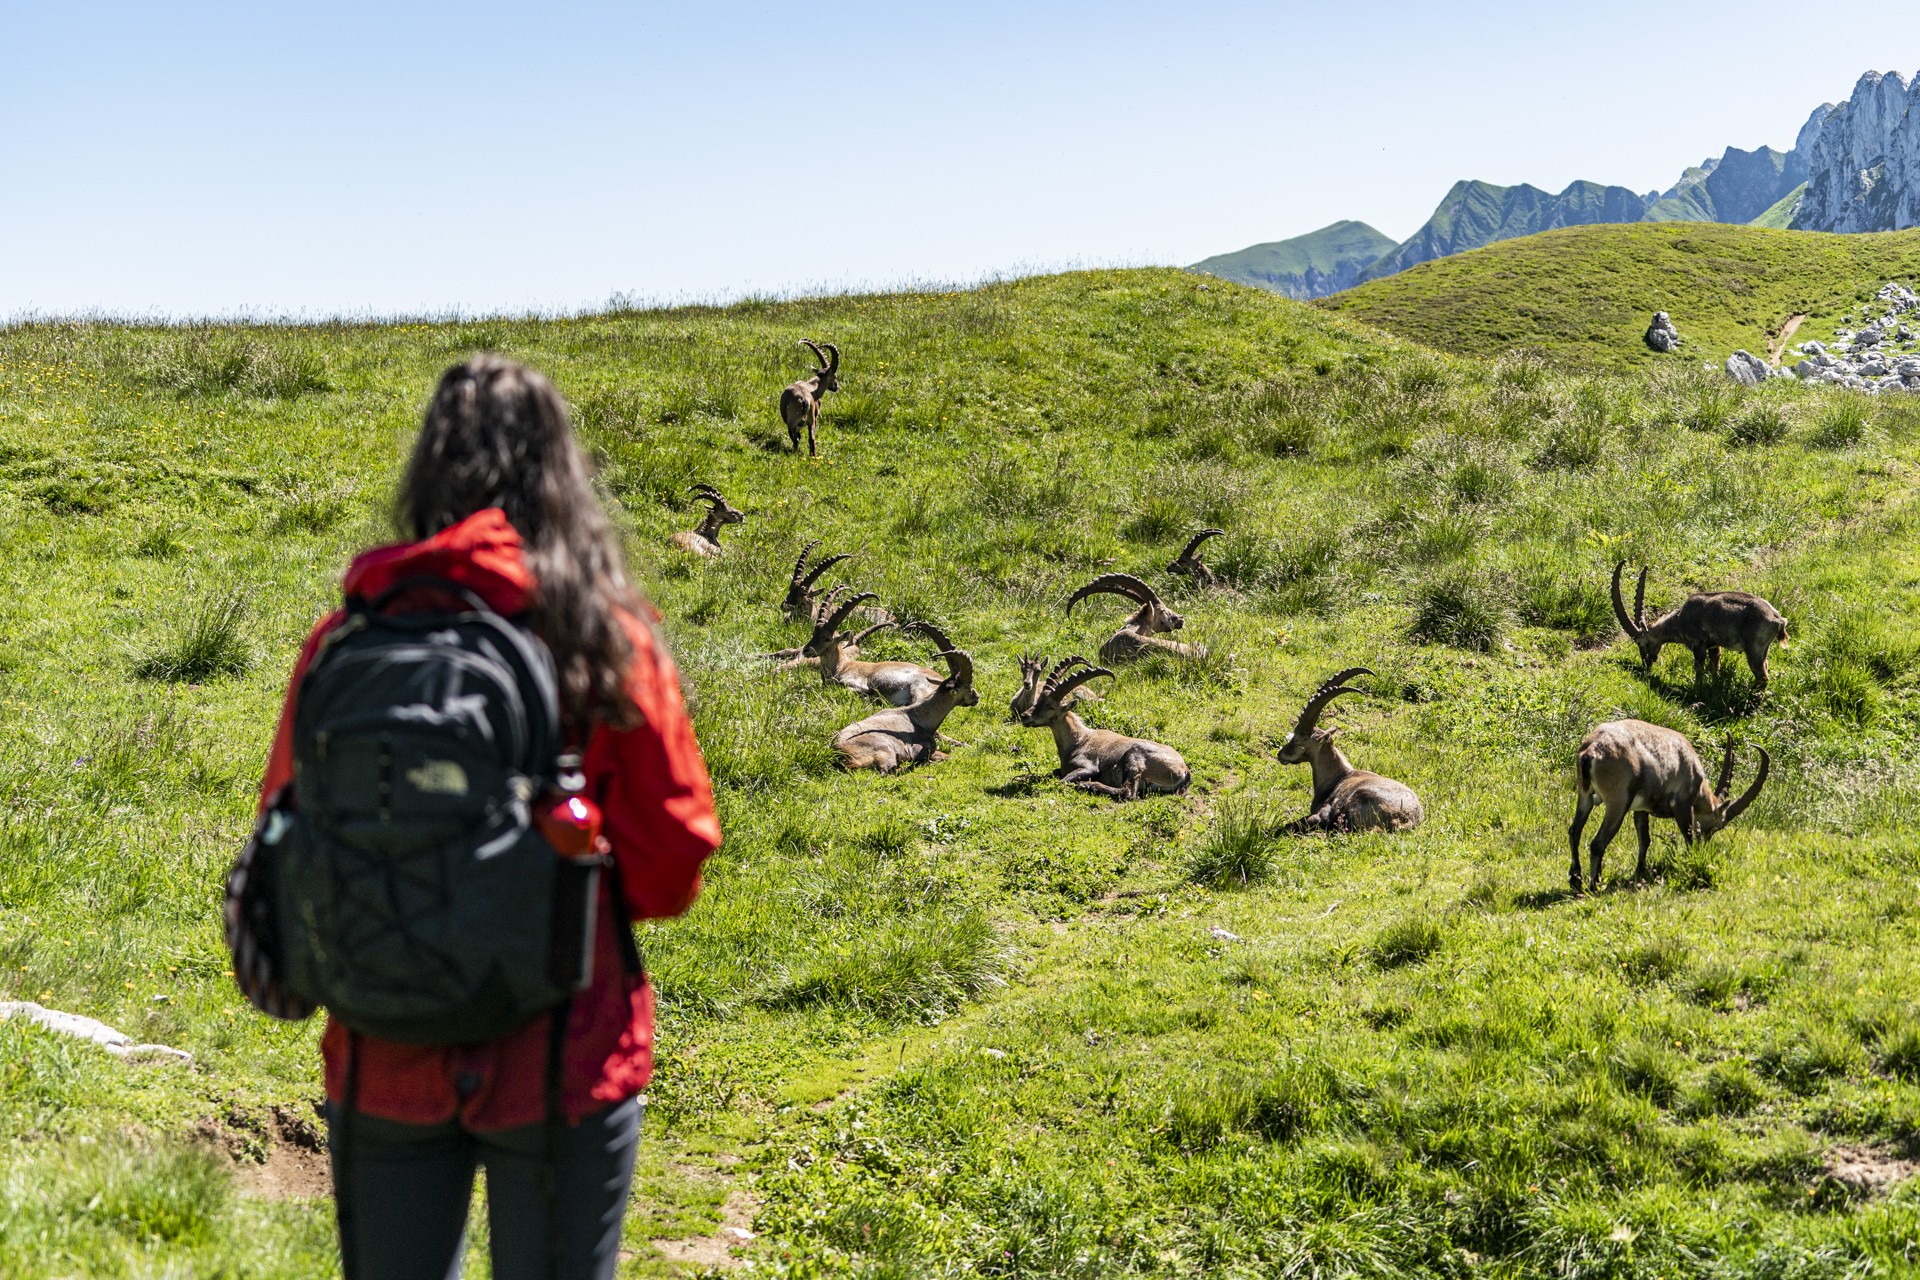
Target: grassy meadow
pixel 1583 295
pixel 964 1021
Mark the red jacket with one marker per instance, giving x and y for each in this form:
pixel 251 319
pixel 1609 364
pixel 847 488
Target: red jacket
pixel 657 807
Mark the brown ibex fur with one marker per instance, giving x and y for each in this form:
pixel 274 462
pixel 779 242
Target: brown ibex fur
pixel 1344 798
pixel 1188 562
pixel 801 593
pixel 1033 670
pixel 1100 760
pixel 901 736
pixel 704 540
pixel 1634 767
pixel 1142 632
pixel 1705 623
pixel 895 683
pixel 800 402
pixel 847 645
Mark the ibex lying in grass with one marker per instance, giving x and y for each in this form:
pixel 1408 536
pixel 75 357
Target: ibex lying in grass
pixel 1634 767
pixel 846 645
pixel 705 539
pixel 1705 622
pixel 1140 634
pixel 1344 798
pixel 900 736
pixel 800 402
pixel 1099 760
pixel 895 683
pixel 801 593
pixel 1188 562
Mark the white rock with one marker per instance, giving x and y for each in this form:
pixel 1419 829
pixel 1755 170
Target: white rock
pixel 1747 369
pixel 80 1027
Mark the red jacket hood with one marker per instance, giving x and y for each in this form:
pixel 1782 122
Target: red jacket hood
pixel 482 553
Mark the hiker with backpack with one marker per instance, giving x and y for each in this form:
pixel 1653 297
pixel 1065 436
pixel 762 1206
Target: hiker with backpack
pixel 483 774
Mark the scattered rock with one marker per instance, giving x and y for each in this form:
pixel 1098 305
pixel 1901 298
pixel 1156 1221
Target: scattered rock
pixel 80 1027
pixel 1223 935
pixel 1863 358
pixel 1748 369
pixel 1661 335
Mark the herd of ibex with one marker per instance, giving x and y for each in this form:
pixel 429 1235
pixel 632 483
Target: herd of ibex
pixel 1627 766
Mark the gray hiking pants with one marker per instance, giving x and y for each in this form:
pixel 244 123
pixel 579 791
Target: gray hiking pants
pixel 403 1191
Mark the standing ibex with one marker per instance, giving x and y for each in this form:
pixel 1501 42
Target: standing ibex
pixel 705 539
pixel 1344 798
pixel 1033 669
pixel 800 402
pixel 1100 760
pixel 800 590
pixel 900 736
pixel 1188 562
pixel 1634 767
pixel 1140 633
pixel 895 683
pixel 1705 622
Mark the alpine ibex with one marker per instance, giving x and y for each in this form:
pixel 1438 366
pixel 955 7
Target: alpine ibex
pixel 705 539
pixel 1344 798
pixel 800 402
pixel 1099 760
pixel 847 646
pixel 1705 622
pixel 895 683
pixel 1188 562
pixel 800 589
pixel 1032 672
pixel 1141 633
pixel 900 736
pixel 1634 767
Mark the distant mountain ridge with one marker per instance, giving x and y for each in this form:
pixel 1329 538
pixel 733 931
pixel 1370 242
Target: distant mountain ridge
pixel 1852 167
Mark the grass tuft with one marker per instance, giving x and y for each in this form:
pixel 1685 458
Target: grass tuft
pixel 1238 849
pixel 210 639
pixel 1464 608
pixel 1408 940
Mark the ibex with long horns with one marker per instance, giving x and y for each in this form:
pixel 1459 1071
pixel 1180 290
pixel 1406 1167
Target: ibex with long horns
pixel 801 592
pixel 1344 798
pixel 800 402
pixel 1188 562
pixel 895 683
pixel 901 736
pixel 704 540
pixel 1705 622
pixel 1100 760
pixel 1634 767
pixel 1142 632
pixel 846 645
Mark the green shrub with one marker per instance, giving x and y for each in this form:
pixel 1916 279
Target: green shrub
pixel 1464 608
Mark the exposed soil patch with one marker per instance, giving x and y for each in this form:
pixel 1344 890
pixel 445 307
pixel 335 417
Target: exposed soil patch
pixel 1779 344
pixel 1868 1169
pixel 721 1248
pixel 279 1156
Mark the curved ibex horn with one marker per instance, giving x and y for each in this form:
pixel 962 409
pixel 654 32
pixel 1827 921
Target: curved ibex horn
pixel 1193 543
pixel 860 637
pixel 1739 806
pixel 705 491
pixel 1060 668
pixel 1640 601
pixel 1627 624
pixel 845 607
pixel 931 632
pixel 818 354
pixel 1119 584
pixel 959 666
pixel 826 563
pixel 833 364
pixel 1058 693
pixel 800 565
pixel 1327 692
pixel 1726 774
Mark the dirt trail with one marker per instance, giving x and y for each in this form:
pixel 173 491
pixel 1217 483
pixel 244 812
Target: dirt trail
pixel 718 1250
pixel 1779 344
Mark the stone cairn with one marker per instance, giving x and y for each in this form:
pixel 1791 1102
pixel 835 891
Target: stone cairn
pixel 1661 335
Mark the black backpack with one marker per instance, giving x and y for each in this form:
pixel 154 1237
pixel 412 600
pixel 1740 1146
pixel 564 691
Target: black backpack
pixel 410 890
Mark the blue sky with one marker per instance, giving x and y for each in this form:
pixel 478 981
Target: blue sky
pixel 210 159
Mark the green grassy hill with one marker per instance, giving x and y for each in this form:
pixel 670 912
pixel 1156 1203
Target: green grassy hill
pixel 963 1021
pixel 1584 295
pixel 1309 266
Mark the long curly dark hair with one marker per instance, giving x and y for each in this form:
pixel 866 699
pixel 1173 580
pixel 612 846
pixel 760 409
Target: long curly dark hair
pixel 496 435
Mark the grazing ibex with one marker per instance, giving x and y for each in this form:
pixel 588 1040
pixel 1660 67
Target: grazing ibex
pixel 1344 798
pixel 900 736
pixel 705 540
pixel 800 589
pixel 895 683
pixel 1100 760
pixel 1188 562
pixel 1634 767
pixel 1140 633
pixel 1705 622
pixel 800 402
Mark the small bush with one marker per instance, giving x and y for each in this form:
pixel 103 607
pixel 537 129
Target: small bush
pixel 1237 850
pixel 1463 608
pixel 1762 424
pixel 1406 941
pixel 1729 1088
pixel 1841 422
pixel 209 640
